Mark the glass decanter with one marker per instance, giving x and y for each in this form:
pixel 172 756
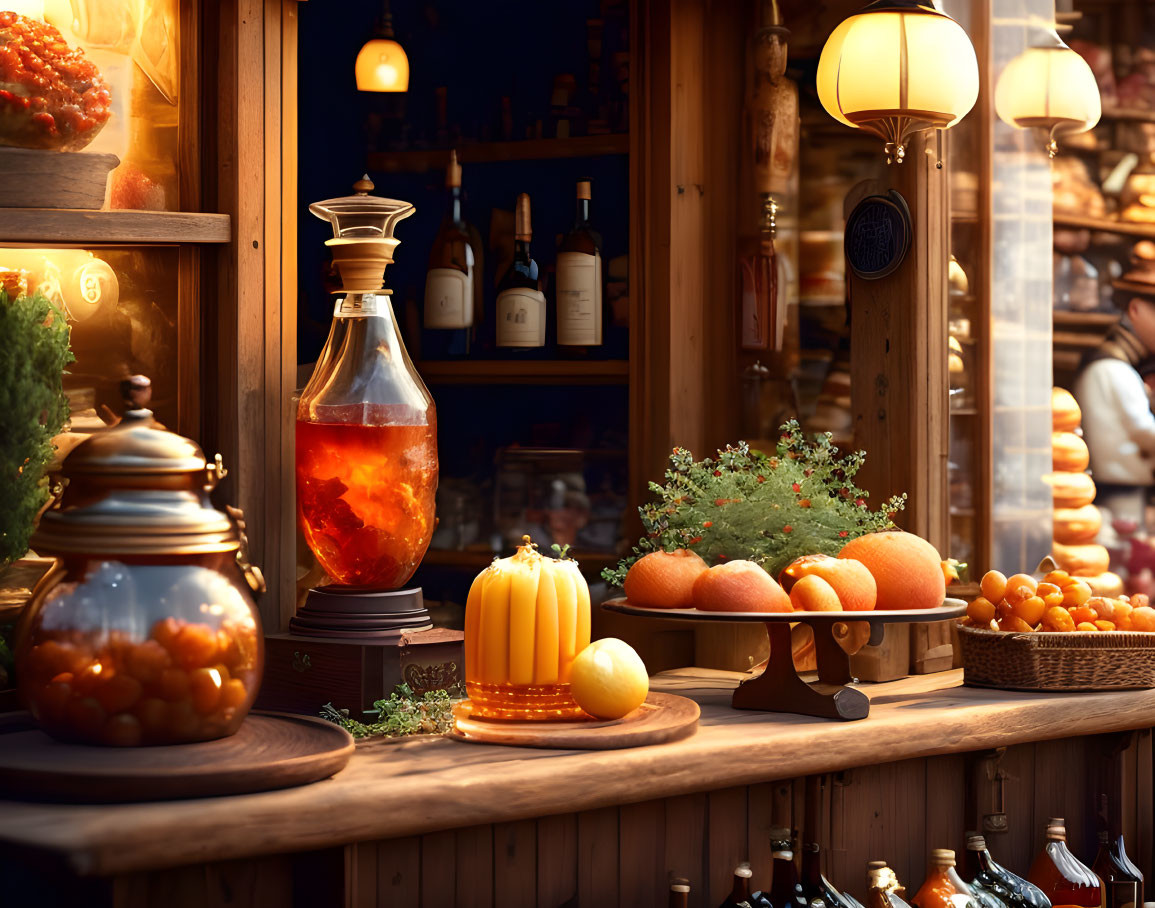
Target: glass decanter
pixel 366 424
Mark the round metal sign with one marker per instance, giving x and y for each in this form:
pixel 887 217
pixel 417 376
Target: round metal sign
pixel 878 234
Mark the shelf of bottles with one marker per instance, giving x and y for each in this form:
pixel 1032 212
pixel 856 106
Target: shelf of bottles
pixel 1057 878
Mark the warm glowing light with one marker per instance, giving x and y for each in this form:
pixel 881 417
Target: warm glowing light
pixel 1049 86
pixel 74 279
pixel 897 68
pixel 382 66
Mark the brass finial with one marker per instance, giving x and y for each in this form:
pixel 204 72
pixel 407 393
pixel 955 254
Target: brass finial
pixel 136 392
pixel 363 186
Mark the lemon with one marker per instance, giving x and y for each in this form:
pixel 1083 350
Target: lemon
pixel 608 679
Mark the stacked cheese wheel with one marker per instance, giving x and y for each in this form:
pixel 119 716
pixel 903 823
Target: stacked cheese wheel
pixel 1077 520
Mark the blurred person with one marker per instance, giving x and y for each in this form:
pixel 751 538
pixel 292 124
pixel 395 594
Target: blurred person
pixel 1118 424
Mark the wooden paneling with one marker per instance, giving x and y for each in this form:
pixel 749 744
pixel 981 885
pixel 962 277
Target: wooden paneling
pixel 474 878
pixel 254 361
pixel 598 857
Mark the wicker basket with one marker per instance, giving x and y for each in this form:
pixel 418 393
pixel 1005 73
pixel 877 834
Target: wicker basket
pixel 1116 660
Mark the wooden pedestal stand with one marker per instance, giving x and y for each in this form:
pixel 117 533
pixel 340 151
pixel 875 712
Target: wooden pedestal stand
pixel 779 688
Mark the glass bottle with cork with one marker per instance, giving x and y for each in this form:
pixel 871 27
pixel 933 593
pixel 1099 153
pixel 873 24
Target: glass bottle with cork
pixel 885 890
pixel 453 280
pixel 366 441
pixel 580 285
pixel 739 896
pixel 943 887
pixel 1122 880
pixel 991 877
pixel 520 314
pixel 679 893
pixel 1062 877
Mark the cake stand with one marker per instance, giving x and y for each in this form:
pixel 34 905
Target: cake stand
pixel 779 688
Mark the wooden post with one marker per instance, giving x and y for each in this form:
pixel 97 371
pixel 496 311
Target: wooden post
pixel 899 391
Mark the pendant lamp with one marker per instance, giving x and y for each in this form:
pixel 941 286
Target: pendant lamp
pixel 1048 86
pixel 896 68
pixel 382 64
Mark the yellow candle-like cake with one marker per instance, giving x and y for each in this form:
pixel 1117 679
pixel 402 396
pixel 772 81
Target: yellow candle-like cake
pixel 526 619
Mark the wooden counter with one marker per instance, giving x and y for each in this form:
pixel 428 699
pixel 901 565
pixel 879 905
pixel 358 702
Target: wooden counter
pixel 407 788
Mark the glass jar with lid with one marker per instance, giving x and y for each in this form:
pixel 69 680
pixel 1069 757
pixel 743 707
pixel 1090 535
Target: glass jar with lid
pixel 145 631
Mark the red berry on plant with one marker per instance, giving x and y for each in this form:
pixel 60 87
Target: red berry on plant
pixel 787 529
pixel 804 503
pixel 796 487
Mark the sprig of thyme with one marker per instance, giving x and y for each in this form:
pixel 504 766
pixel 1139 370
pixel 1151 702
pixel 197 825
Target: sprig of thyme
pixel 743 504
pixel 404 713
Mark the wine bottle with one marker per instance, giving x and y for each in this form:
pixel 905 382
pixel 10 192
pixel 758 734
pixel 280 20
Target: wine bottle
pixel 815 886
pixel 1064 879
pixel 785 888
pixel 520 303
pixel 580 283
pixel 453 279
pixel 679 893
pixel 1122 880
pixel 739 896
pixel 989 876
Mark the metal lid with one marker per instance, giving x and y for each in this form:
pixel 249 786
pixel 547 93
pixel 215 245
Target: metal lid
pixel 136 489
pixel 976 842
pixel 942 856
pixel 362 215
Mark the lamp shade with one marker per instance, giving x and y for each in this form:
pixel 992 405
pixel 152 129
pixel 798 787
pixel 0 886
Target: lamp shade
pixel 382 66
pixel 1049 86
pixel 897 68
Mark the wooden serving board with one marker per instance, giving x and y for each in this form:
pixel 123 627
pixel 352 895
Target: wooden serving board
pixel 662 718
pixel 269 751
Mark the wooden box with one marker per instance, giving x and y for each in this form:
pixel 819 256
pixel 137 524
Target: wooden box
pixel 302 674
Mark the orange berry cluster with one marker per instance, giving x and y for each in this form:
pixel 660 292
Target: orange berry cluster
pixel 1059 602
pixel 186 682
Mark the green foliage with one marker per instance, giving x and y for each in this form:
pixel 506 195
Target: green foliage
pixel 743 504
pixel 33 353
pixel 404 713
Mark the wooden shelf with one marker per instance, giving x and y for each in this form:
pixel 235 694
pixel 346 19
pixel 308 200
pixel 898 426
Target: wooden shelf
pixel 472 560
pixel 1134 114
pixel 1077 340
pixel 963 411
pixel 525 372
pixel 93 228
pixel 466 785
pixel 1070 318
pixel 490 152
pixel 1105 225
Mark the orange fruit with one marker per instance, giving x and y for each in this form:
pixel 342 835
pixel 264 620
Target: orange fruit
pixel 664 579
pixel 981 611
pixel 851 580
pixel 739 586
pixel 1058 619
pixel 994 586
pixel 1143 619
pixel 1030 610
pixel 813 594
pixel 1016 624
pixel 906 568
pixel 1075 593
pixel 1020 587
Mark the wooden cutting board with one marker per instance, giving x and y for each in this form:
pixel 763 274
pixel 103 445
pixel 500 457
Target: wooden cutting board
pixel 662 718
pixel 269 751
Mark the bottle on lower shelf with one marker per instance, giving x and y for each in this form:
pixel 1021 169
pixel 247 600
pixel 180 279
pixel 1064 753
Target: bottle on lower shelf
pixel 991 877
pixel 944 888
pixel 1062 877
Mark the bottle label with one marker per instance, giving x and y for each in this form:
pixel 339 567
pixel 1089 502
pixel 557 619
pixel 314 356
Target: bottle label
pixel 448 298
pixel 579 299
pixel 521 318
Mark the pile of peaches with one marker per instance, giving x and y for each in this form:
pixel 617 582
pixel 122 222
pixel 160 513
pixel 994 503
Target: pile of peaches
pixel 884 570
pixel 1058 602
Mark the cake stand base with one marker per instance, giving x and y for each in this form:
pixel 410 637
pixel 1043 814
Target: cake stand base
pixel 341 612
pixel 779 689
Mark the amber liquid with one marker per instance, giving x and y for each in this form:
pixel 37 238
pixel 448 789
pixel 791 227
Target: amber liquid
pixel 1064 879
pixel 365 499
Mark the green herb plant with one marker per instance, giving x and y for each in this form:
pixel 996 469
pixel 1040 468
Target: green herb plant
pixel 404 713
pixel 34 351
pixel 744 504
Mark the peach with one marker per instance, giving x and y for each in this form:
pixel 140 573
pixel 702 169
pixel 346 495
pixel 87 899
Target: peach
pixel 906 568
pixel 1020 587
pixel 664 579
pixel 850 579
pixel 1143 619
pixel 813 594
pixel 739 586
